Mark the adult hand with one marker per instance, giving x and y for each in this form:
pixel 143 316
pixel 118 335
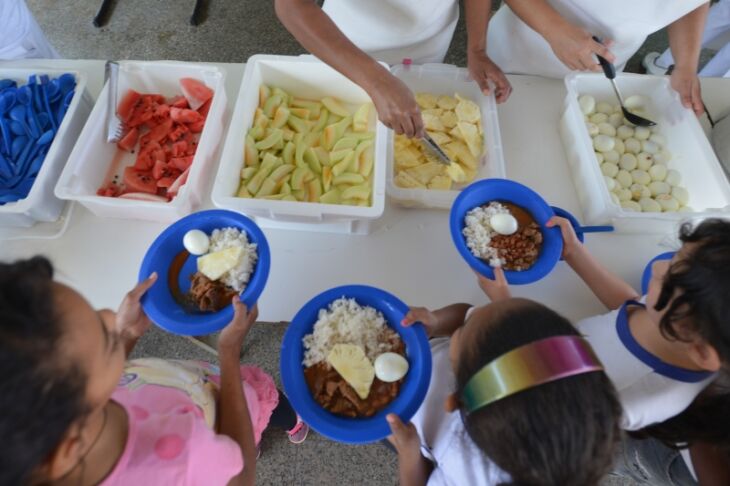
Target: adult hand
pixel 575 48
pixel 497 289
pixel 232 336
pixel 131 321
pixel 483 70
pixel 571 243
pixel 396 106
pixel 404 437
pixel 687 84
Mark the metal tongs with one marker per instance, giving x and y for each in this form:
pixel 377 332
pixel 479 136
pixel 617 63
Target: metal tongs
pixel 114 126
pixel 435 150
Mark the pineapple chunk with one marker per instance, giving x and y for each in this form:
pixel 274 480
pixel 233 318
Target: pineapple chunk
pixel 449 119
pixel 446 102
pixel 440 182
pixel 470 134
pixel 215 265
pixel 354 367
pixel 424 173
pixel 406 181
pixel 456 173
pixel 432 122
pixel 426 100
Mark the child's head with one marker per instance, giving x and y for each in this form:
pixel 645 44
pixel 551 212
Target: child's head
pixel 689 296
pixel 61 361
pixel 561 432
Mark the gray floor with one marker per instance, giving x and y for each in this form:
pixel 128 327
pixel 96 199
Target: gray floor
pixel 233 31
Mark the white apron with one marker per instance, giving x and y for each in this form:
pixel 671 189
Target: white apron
pixel 20 35
pixel 393 30
pixel 518 49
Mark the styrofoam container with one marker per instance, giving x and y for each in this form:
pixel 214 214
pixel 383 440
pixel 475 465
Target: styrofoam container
pixel 444 79
pixel 41 205
pixel 91 160
pixel 303 77
pixel 692 154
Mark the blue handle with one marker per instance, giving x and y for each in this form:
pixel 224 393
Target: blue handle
pixel 594 229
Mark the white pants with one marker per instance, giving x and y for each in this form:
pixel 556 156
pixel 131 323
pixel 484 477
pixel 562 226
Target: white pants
pixel 718 24
pixel 20 35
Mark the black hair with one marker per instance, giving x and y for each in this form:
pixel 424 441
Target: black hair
pixel 701 282
pixel 560 433
pixel 41 393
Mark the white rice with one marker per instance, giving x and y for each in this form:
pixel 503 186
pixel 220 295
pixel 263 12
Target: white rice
pixel 479 233
pixel 347 322
pixel 224 238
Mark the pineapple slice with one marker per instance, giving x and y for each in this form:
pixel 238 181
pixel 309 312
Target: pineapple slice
pixel 432 122
pixel 406 181
pixel 215 265
pixel 467 111
pixel 441 182
pixel 440 138
pixel 354 367
pixel 446 102
pixel 424 173
pixel 471 136
pixel 426 101
pixel 449 119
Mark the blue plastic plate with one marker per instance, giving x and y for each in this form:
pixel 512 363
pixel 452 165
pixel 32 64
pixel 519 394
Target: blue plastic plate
pixel 488 190
pixel 159 303
pixel 646 275
pixel 412 392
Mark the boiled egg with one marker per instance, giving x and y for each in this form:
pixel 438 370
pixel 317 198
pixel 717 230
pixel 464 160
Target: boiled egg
pixel 504 224
pixel 196 242
pixel 390 367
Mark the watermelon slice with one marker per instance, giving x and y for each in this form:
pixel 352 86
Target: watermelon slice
pixel 195 92
pixel 129 141
pixel 128 104
pixel 139 181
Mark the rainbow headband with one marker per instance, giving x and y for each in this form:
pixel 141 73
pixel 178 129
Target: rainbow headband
pixel 533 364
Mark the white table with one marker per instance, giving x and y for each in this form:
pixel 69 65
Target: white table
pixel 409 252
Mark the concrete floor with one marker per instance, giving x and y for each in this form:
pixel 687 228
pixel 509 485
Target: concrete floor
pixel 233 31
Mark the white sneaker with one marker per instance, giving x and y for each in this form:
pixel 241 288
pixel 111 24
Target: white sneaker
pixel 649 63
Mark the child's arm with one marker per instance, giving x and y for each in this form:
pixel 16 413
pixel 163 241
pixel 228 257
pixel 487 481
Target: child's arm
pixel 413 468
pixel 131 321
pixel 235 421
pixel 317 33
pixel 481 68
pixel 607 286
pixel 710 464
pixel 438 323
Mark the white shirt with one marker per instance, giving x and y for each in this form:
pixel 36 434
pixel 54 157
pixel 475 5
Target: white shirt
pixel 444 440
pixel 391 30
pixel 649 389
pixel 517 48
pixel 20 35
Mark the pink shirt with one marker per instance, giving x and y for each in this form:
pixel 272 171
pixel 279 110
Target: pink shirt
pixel 170 442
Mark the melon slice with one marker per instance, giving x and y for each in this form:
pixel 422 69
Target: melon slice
pixel 215 265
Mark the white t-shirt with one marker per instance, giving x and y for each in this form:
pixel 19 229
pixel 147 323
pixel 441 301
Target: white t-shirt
pixel 650 390
pixel 444 440
pixel 391 30
pixel 517 48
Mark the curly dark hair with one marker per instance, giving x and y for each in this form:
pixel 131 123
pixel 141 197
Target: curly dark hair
pixel 702 281
pixel 41 393
pixel 560 433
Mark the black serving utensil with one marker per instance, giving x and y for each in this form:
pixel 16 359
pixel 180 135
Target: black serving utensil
pixel 610 71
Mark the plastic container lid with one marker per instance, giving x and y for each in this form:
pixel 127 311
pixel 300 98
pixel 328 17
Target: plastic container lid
pixel 158 302
pixel 412 391
pixel 486 191
pixel 646 275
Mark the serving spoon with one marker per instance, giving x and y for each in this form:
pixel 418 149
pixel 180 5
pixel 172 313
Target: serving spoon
pixel 610 71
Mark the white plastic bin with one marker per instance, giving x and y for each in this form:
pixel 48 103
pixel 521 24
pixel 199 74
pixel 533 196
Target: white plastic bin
pixel 692 154
pixel 41 205
pixel 90 160
pixel 304 77
pixel 444 79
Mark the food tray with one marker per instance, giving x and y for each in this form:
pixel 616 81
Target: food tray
pixel 692 154
pixel 90 161
pixel 443 79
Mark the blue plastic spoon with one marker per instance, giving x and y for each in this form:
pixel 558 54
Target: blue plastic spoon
pixel 25 98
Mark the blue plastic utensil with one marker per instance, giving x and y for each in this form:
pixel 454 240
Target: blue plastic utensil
pixel 17 128
pixel 17 146
pixel 25 98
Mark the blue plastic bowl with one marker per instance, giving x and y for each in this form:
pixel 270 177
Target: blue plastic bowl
pixel 158 302
pixel 412 392
pixel 488 190
pixel 646 275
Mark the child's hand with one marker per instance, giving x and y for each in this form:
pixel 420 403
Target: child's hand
pixel 420 314
pixel 497 289
pixel 404 437
pixel 232 336
pixel 571 243
pixel 131 321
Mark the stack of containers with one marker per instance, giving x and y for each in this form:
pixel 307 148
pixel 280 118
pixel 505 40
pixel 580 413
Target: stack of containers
pixel 692 154
pixel 442 79
pixel 92 157
pixel 41 205
pixel 303 77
